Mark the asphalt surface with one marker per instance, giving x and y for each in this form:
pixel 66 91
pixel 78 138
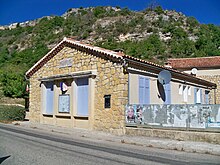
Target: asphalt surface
pixel 34 146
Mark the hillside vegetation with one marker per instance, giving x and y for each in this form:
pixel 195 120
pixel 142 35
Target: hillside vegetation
pixel 153 34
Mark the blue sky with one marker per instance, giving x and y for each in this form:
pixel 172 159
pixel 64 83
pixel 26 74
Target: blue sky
pixel 205 11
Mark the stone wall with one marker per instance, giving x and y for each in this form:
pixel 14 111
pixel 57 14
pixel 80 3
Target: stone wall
pixel 110 80
pixel 35 100
pixel 215 94
pixel 181 135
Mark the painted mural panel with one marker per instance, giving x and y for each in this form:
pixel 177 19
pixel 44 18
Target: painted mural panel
pixel 214 117
pixel 183 116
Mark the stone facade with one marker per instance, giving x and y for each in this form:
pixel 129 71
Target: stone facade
pixel 106 73
pixel 215 94
pixel 110 80
pixel 176 134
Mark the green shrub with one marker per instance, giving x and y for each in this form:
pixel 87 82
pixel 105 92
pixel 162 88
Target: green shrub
pixel 13 85
pixel 99 11
pixel 125 11
pixel 11 113
pixel 192 21
pixel 159 10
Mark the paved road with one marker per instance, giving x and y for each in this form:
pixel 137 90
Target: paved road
pixel 27 147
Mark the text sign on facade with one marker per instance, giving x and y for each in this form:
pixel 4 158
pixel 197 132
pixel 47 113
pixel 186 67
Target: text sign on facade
pixel 64 103
pixel 67 62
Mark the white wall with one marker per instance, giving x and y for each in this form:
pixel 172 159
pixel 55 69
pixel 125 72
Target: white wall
pixel 177 97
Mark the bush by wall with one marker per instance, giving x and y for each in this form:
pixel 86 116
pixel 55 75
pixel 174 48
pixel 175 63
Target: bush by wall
pixel 11 113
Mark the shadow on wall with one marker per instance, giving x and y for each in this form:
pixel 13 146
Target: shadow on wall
pixel 161 91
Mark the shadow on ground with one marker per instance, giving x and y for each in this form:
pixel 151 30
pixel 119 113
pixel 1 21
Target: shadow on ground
pixel 2 159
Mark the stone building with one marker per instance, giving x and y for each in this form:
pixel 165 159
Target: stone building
pixel 79 85
pixel 207 68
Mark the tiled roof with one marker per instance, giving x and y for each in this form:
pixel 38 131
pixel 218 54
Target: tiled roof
pixel 155 68
pixel 94 48
pixel 118 56
pixel 200 62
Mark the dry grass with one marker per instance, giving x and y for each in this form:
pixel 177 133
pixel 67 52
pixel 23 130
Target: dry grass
pixel 8 100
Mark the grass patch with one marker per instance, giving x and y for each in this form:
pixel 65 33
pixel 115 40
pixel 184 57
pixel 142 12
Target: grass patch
pixel 11 113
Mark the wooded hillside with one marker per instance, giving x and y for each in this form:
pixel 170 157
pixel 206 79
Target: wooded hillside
pixel 153 34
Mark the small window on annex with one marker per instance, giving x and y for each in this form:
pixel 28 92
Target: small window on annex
pixel 207 95
pixel 180 89
pixel 107 99
pixel 185 93
pixel 198 95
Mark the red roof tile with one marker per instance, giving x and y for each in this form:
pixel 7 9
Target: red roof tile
pixel 200 62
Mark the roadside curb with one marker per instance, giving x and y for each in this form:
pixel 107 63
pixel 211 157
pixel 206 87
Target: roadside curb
pixel 161 143
pixel 185 146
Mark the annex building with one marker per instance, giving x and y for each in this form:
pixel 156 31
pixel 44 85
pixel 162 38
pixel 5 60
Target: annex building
pixel 207 68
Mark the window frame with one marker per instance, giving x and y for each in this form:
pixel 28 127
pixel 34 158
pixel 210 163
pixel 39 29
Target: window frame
pixel 143 90
pixel 76 99
pixel 45 98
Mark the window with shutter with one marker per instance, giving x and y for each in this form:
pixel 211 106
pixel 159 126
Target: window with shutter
pixel 49 97
pixel 167 90
pixel 197 96
pixel 207 97
pixel 144 90
pixel 185 94
pixel 82 96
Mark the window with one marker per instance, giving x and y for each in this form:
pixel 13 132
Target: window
pixel 107 101
pixel 167 93
pixel 189 90
pixel 49 97
pixel 185 94
pixel 207 97
pixel 82 96
pixel 198 95
pixel 144 90
pixel 180 89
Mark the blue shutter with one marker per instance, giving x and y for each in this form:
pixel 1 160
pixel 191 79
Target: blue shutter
pixel 147 91
pixel 82 96
pixel 206 97
pixel 167 90
pixel 49 97
pixel 195 95
pixel 144 90
pixel 141 90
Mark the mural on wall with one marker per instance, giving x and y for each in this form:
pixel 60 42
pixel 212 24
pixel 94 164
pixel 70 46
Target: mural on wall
pixel 190 116
pixel 130 114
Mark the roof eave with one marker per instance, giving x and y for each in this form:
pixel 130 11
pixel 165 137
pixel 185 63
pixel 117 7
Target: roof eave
pixel 140 64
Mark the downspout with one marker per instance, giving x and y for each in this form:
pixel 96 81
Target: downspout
pixel 125 66
pixel 25 76
pixel 27 98
pixel 125 71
